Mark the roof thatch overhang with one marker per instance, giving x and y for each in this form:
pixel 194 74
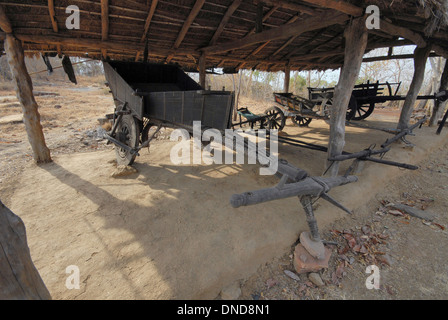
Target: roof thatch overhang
pixel 233 34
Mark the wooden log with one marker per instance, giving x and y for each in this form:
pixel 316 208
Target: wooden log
pixel 288 5
pixel 394 30
pixel 355 45
pixel 439 106
pixel 19 278
pixel 24 89
pixel 307 186
pixel 420 57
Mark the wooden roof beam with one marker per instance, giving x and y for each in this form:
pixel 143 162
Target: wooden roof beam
pixel 54 22
pixel 394 30
pixel 338 5
pixel 282 32
pixel 95 44
pixel 183 32
pixel 288 5
pixel 152 9
pixel 225 19
pixel 104 24
pixel 5 24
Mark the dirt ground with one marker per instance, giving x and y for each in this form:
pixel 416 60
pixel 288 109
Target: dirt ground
pixel 169 232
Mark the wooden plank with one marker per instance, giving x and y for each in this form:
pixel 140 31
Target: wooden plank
pixel 5 24
pixel 152 9
pixel 225 19
pixel 52 13
pixel 284 31
pixel 341 6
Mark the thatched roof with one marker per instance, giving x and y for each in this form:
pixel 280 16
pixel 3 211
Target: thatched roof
pixel 305 34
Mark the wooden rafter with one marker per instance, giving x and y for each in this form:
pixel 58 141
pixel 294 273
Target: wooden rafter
pixel 54 22
pixel 104 24
pixel 341 6
pixel 151 12
pixel 261 47
pixel 284 31
pixel 225 19
pixel 183 32
pixel 288 5
pixel 5 24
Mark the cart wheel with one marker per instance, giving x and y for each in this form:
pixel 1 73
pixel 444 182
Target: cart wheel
pixel 301 121
pixel 363 112
pixel 352 108
pixel 276 119
pixel 128 132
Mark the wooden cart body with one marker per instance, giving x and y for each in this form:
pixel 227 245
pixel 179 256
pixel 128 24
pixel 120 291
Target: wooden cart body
pixel 165 93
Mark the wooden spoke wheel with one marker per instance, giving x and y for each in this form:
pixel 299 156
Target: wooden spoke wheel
pixel 352 108
pixel 363 112
pixel 301 121
pixel 128 132
pixel 276 119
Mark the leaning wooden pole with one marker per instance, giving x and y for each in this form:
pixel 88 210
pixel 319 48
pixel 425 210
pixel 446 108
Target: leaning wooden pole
pixel 439 106
pixel 24 90
pixel 355 46
pixel 420 57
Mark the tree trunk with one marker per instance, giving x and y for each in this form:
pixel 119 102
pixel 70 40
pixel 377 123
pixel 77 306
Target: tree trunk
pixel 24 89
pixel 19 278
pixel 420 57
pixel 355 45
pixel 439 106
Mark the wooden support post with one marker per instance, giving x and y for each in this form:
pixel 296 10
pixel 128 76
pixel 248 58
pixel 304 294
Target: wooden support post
pixel 202 71
pixel 355 45
pixel 287 78
pixel 439 106
pixel 420 57
pixel 24 89
pixel 19 278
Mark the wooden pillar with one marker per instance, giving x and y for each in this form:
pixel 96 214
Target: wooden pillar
pixel 355 45
pixel 24 90
pixel 287 78
pixel 19 278
pixel 202 71
pixel 420 57
pixel 439 106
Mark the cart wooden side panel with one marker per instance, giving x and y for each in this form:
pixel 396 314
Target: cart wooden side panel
pixel 123 92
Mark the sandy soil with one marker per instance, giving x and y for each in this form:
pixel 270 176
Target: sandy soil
pixel 169 232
